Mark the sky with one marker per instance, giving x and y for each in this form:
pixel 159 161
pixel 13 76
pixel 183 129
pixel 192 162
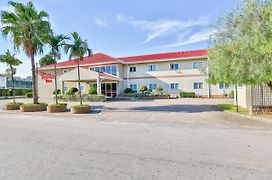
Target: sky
pixel 126 28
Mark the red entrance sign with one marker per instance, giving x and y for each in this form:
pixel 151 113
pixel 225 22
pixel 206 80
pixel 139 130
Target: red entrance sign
pixel 47 77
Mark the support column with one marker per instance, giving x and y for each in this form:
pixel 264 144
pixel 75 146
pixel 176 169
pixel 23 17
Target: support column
pixel 98 85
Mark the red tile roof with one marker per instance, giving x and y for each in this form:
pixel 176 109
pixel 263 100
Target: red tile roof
pixel 171 55
pixel 103 58
pixel 107 75
pixel 95 58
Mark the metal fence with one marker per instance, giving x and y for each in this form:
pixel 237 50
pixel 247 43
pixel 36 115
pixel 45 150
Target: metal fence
pixel 261 96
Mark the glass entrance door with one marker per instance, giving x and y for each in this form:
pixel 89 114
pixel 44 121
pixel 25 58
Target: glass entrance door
pixel 109 89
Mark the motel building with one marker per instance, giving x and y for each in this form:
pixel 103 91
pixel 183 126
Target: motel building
pixel 174 72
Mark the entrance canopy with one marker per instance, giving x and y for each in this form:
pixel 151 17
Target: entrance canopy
pixel 86 75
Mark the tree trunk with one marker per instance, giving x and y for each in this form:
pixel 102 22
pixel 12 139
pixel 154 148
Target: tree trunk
pixel 34 81
pixel 270 85
pixel 78 76
pixel 12 80
pixel 56 84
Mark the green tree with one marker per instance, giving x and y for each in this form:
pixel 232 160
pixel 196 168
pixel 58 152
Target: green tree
pixel 11 61
pixel 27 27
pixel 77 49
pixel 241 47
pixel 46 60
pixel 56 43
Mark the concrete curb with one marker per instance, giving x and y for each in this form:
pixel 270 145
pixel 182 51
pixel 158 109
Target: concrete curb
pixel 256 118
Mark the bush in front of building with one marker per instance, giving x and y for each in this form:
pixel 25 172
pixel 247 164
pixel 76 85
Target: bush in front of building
pixel 231 95
pixel 58 91
pixel 18 92
pixel 92 91
pixel 85 97
pixel 72 91
pixel 187 94
pixel 128 90
pixel 143 88
pixel 29 95
pixel 159 89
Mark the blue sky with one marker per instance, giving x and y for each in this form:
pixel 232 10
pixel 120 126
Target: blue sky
pixel 124 28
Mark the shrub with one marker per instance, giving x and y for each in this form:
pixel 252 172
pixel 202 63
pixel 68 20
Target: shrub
pixel 143 88
pixel 12 103
pixel 81 106
pixel 231 94
pixel 128 90
pixel 58 91
pixel 225 94
pixel 187 94
pixel 31 104
pixel 72 90
pixel 57 105
pixel 18 92
pixel 160 89
pixel 29 95
pixel 85 97
pixel 92 91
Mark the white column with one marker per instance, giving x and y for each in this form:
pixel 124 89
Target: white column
pixel 98 85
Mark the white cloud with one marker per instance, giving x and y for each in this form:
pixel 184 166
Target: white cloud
pixel 100 22
pixel 194 38
pixel 161 27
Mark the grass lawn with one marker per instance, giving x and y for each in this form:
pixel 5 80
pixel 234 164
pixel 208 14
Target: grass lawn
pixel 232 108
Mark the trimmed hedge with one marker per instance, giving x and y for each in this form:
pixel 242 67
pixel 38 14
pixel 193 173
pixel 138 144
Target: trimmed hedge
pixel 57 105
pixel 18 92
pixel 187 94
pixel 31 104
pixel 85 97
pixel 147 95
pixel 81 106
pixel 29 95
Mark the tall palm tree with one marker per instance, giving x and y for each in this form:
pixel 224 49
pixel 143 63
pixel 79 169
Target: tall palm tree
pixel 11 61
pixel 27 27
pixel 56 43
pixel 77 49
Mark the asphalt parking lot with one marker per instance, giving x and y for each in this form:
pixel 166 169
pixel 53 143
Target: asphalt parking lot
pixel 160 139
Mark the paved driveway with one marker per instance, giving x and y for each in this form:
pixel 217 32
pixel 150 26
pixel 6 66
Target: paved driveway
pixel 162 139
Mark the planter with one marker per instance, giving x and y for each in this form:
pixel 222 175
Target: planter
pixel 33 107
pixel 84 109
pixel 12 106
pixel 57 108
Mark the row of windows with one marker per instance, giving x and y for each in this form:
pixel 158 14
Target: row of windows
pixel 173 86
pixel 107 69
pixel 172 66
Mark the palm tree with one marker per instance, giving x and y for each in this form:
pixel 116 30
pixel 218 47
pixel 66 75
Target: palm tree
pixel 27 27
pixel 77 49
pixel 56 43
pixel 11 61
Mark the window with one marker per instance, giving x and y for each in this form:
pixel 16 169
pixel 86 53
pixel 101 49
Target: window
pixel 132 69
pixel 107 69
pixel 197 64
pixel 133 87
pixel 174 66
pixel 223 86
pixel 152 67
pixel 65 89
pixel 198 85
pixel 174 86
pixel 152 86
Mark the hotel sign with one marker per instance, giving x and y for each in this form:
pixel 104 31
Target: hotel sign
pixel 47 77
